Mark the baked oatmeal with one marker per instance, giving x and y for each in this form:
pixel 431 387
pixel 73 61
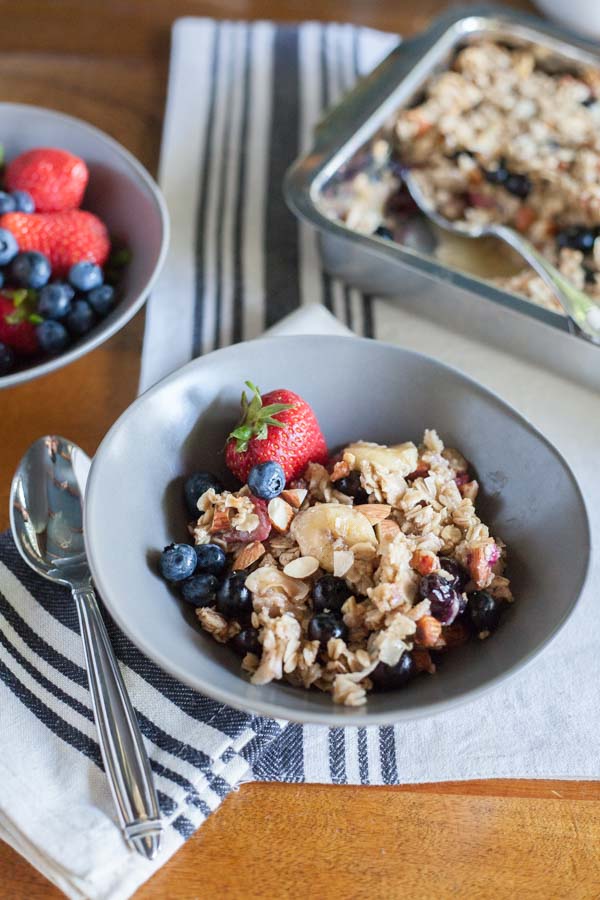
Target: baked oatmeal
pixel 354 573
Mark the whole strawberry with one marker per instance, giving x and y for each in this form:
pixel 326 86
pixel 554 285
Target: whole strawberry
pixel 279 426
pixel 55 178
pixel 65 238
pixel 18 324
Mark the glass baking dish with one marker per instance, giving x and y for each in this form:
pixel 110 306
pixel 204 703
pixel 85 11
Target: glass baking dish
pixel 410 271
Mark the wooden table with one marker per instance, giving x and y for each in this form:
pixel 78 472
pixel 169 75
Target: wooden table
pixel 107 62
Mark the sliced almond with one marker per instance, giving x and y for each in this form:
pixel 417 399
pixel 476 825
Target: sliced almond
pixel 343 560
pixel 220 520
pixel 248 555
pixel 301 567
pixel 280 514
pixel 340 470
pixel 295 497
pixel 374 512
pixel 386 530
pixel 364 550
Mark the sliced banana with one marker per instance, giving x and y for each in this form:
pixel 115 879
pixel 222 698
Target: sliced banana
pixel 317 530
pixel 400 459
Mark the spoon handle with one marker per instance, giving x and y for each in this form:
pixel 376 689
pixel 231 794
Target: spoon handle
pixel 125 759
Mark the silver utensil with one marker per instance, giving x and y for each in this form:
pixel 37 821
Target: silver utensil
pixel 580 308
pixel 46 506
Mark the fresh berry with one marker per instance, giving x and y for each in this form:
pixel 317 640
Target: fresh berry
pixel 460 577
pixel 383 232
pixel 31 269
pixel 279 426
pixel 7 359
pixel 81 318
pixel 389 678
pixel 324 626
pixel 8 247
pixel 16 329
pixel 84 276
pixel 102 299
pixel 234 600
pixel 484 612
pixel 7 203
pixel 260 533
pixel 200 590
pixel 65 238
pixel 55 179
pixel 330 593
pixel 53 337
pixel 246 641
pixel 23 202
pixel 266 480
pixel 54 301
pixel 444 599
pixel 211 559
pixel 351 486
pixel 519 185
pixel 177 562
pixel 196 485
pixel 577 237
pixel 497 175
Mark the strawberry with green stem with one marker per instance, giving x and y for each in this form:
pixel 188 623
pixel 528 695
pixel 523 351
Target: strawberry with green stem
pixel 18 321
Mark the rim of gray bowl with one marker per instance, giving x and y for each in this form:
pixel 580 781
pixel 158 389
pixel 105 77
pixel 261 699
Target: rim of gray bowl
pixel 354 716
pixel 103 333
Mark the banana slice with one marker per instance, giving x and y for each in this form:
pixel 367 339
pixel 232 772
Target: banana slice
pixel 400 459
pixel 316 529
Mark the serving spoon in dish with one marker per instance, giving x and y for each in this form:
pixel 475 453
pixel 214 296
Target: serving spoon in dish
pixel 580 308
pixel 46 519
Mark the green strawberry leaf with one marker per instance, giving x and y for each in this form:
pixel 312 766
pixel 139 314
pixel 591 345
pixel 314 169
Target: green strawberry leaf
pixel 35 319
pixel 256 419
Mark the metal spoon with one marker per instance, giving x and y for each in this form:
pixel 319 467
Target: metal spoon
pixel 580 308
pixel 46 521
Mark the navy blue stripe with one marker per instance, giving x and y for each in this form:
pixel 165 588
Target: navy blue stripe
pixel 363 756
pixel 184 827
pixel 387 751
pixel 192 796
pixel 337 756
pixel 368 316
pixel 238 274
pixel 203 205
pixel 221 171
pixel 325 100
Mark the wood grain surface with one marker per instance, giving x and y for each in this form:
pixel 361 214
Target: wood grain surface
pixel 107 62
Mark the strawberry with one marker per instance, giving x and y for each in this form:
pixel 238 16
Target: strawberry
pixel 55 178
pixel 18 323
pixel 278 426
pixel 65 238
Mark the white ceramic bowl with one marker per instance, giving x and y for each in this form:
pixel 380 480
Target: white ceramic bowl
pixel 120 192
pixel 359 389
pixel 580 16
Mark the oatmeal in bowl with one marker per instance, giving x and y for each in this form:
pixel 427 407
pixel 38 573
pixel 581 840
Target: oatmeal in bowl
pixel 347 573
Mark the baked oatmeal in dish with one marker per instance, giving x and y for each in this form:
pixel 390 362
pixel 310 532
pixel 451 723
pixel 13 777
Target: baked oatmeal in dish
pixel 346 574
pixel 505 135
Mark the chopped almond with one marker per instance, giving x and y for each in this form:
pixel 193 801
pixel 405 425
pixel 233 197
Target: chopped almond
pixel 386 530
pixel 428 631
pixel 280 514
pixel 221 521
pixel 295 497
pixel 340 470
pixel 248 555
pixel 374 512
pixel 469 489
pixel 424 562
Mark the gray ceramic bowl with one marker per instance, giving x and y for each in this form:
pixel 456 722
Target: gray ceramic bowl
pixel 359 389
pixel 120 191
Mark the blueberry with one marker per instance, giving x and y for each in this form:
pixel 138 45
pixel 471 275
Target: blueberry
pixel 484 611
pixel 102 299
pixel 444 599
pixel 177 562
pixel 330 593
pixel 7 359
pixel 200 590
pixel 460 576
pixel 519 185
pixel 389 678
pixel 266 480
pixel 81 318
pixel 84 276
pixel 352 487
pixel 246 641
pixel 383 232
pixel 8 246
pixel 1 279
pixel 211 558
pixel 196 485
pixel 23 201
pixel 577 237
pixel 7 203
pixel 325 626
pixel 53 337
pixel 589 101
pixel 31 270
pixel 497 175
pixel 234 600
pixel 54 301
